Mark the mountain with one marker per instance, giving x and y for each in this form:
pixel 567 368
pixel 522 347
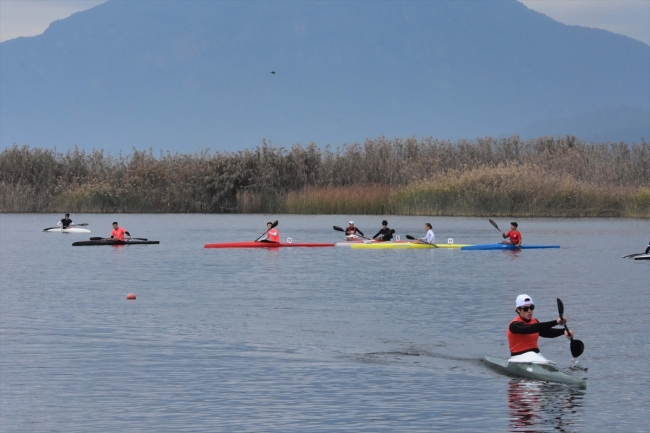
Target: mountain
pixel 190 75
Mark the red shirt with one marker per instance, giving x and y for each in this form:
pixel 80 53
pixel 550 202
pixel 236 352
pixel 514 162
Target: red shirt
pixel 118 233
pixel 515 236
pixel 273 235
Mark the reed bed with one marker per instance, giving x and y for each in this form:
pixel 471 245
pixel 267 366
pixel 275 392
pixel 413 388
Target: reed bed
pixel 542 177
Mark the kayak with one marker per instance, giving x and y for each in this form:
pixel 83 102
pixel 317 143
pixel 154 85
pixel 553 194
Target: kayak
pixel 264 245
pixel 113 242
pixel 506 247
pixel 68 230
pixel 396 245
pixel 642 257
pixel 529 370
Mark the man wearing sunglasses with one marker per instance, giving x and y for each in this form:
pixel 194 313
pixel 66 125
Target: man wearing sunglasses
pixel 524 331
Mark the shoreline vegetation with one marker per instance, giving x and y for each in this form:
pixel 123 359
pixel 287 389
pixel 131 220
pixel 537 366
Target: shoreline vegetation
pixel 543 177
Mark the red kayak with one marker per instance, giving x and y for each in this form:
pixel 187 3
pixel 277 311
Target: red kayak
pixel 263 245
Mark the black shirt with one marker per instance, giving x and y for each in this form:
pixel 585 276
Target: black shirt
pixel 65 222
pixel 386 234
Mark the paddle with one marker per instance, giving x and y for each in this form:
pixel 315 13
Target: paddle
pixel 577 346
pixel 415 239
pixel 497 227
pixel 267 230
pixel 104 239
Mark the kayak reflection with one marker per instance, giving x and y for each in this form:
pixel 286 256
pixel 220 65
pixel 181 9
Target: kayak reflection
pixel 543 406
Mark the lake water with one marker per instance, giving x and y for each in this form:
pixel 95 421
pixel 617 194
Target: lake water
pixel 323 339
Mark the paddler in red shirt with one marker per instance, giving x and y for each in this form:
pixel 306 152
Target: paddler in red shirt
pixel 118 232
pixel 524 331
pixel 272 234
pixel 513 235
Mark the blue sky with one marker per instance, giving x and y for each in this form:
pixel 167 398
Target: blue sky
pixel 627 17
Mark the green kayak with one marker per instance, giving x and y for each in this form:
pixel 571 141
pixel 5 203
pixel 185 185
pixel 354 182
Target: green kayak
pixel 528 370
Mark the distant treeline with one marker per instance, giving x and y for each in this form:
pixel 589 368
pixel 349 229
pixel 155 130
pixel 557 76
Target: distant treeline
pixel 500 177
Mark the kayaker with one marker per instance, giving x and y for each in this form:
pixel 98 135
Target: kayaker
pixel 272 234
pixel 524 330
pixel 352 230
pixel 118 232
pixel 513 236
pixel 65 222
pixel 647 250
pixel 385 234
pixel 430 238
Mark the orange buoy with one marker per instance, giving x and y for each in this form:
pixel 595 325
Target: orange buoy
pixel 130 296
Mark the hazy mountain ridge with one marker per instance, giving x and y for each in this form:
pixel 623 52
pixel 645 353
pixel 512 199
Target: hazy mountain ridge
pixel 191 75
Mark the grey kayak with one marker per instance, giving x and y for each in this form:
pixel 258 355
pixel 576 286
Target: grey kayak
pixel 527 370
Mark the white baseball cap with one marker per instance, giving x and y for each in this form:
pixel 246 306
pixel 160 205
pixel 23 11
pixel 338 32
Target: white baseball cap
pixel 524 300
pixel 351 222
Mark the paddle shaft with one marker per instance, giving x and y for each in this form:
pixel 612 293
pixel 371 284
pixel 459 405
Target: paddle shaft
pixel 102 239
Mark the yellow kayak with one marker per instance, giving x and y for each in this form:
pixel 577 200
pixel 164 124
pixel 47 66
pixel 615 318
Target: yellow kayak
pixel 398 245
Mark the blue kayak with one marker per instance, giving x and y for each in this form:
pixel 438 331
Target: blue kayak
pixel 505 247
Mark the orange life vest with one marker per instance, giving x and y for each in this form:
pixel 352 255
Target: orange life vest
pixel 520 343
pixel 273 235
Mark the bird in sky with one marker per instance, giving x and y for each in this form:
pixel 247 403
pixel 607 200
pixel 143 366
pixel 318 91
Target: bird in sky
pixel 272 72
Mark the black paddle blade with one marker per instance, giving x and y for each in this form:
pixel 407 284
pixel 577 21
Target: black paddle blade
pixel 577 347
pixel 140 239
pixel 410 237
pixel 495 225
pixel 275 224
pixel 50 228
pixel 338 229
pixel 560 307
pixel 96 239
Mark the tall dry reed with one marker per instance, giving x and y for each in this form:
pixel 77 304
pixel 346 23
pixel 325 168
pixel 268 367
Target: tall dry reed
pixel 306 179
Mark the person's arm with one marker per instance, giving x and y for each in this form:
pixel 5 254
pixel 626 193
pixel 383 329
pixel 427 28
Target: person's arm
pixel 552 333
pixel 127 233
pixel 59 224
pixel 378 233
pixel 540 327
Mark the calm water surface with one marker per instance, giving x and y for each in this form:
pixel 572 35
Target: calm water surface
pixel 326 339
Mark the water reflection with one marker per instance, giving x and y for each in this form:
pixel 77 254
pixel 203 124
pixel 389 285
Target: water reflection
pixel 541 407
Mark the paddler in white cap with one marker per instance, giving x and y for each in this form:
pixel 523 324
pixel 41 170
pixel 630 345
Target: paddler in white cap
pixel 524 331
pixel 352 230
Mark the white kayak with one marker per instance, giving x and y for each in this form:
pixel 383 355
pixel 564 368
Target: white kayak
pixel 68 230
pixel 533 366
